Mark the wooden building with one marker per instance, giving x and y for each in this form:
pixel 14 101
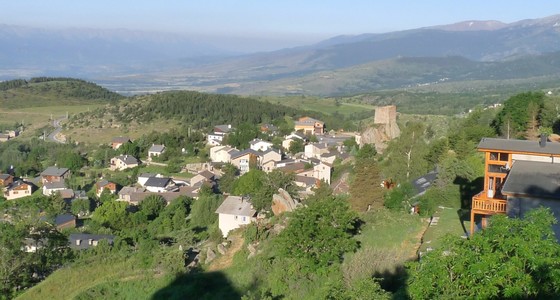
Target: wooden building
pixel 518 175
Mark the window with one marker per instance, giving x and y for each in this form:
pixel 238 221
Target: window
pixel 235 217
pixel 504 156
pixel 244 219
pixel 493 155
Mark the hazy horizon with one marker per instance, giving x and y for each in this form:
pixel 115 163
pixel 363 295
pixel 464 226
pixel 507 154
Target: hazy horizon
pixel 253 26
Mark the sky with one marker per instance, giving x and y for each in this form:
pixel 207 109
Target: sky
pixel 286 22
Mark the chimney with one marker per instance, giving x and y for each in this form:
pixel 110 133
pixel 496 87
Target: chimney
pixel 542 142
pixel 229 126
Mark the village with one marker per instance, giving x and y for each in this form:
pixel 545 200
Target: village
pixel 311 167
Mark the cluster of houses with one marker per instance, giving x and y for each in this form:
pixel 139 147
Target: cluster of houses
pixel 311 167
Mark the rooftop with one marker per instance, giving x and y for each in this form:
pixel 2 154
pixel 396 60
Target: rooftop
pixel 534 179
pixel 157 148
pixel 54 171
pixel 157 182
pixel 62 219
pixel 120 139
pixel 128 159
pixel 519 146
pixel 236 205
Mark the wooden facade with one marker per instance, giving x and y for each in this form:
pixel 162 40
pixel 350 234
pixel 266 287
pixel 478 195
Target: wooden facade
pixel 500 155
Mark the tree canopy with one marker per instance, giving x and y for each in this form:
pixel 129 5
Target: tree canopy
pixel 513 258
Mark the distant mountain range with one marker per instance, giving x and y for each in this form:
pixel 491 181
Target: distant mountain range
pixel 140 62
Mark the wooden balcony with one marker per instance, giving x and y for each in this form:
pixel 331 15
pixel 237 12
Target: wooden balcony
pixel 483 205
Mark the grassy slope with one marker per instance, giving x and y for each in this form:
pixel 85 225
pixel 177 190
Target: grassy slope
pixel 387 240
pixel 55 93
pixel 111 278
pixel 35 103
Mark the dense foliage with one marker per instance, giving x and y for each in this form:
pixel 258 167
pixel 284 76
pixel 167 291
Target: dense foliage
pixel 512 259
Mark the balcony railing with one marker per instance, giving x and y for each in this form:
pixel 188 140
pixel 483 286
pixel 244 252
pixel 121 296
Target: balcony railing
pixel 482 203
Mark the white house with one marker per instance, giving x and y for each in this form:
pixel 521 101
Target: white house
pixel 221 154
pixel 155 150
pixel 142 178
pixel 123 162
pixel 323 171
pixel 53 187
pixel 160 184
pixel 315 150
pixel 217 136
pixel 260 145
pixel 18 189
pixel 235 212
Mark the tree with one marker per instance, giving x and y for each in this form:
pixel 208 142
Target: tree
pixel 81 207
pixel 271 182
pixel 14 268
pixel 152 206
pixel 203 213
pixel 318 235
pixel 226 182
pixel 366 151
pixel 113 214
pixel 296 146
pixel 512 258
pixel 520 112
pixel 365 189
pixel 396 199
pixel 406 155
pixel 249 183
pixel 130 149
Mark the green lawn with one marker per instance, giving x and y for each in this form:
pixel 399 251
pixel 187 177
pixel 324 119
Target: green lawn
pixel 449 223
pixel 387 240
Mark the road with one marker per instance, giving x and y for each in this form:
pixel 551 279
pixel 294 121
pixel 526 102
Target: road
pixel 53 136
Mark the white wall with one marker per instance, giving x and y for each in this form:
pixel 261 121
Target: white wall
pixel 227 223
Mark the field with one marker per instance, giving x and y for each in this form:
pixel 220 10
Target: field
pixel 323 105
pixel 37 117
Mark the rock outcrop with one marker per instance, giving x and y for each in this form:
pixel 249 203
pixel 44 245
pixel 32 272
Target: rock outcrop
pixel 383 130
pixel 283 202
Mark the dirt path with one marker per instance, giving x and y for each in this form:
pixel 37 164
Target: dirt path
pixel 224 261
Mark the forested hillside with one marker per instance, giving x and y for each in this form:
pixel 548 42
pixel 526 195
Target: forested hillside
pixel 201 111
pixel 47 91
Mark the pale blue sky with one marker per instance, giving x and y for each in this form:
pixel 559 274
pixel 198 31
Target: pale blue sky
pixel 305 21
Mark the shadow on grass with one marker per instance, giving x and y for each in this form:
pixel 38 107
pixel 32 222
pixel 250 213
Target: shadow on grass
pixel 199 285
pixel 394 281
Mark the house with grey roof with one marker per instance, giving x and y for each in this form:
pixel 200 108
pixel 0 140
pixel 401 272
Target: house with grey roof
pixel 123 162
pixel 54 174
pixel 260 145
pixel 160 184
pixel 155 150
pixel 83 241
pixel 51 188
pixel 519 175
pixel 423 183
pixel 234 212
pixel 217 136
pixel 118 141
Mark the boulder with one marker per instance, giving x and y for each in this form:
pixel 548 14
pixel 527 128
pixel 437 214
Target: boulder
pixel 210 256
pixel 222 249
